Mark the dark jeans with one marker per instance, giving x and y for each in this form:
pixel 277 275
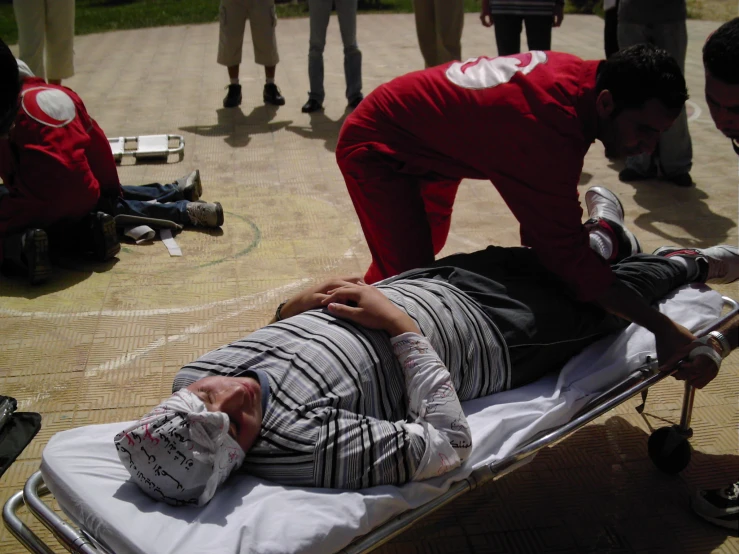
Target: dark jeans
pixel 137 200
pixel 508 32
pixel 610 31
pixel 541 322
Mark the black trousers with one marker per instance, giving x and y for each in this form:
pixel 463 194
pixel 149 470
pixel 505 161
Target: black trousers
pixel 508 32
pixel 540 320
pixel 610 31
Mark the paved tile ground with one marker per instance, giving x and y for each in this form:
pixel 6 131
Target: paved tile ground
pixel 100 343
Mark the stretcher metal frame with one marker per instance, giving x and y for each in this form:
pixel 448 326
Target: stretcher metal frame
pixel 82 542
pixel 146 147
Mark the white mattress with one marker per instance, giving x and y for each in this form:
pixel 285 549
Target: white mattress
pixel 81 467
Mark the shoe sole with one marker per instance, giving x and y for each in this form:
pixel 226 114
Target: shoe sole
pixel 219 214
pixel 37 258
pixel 274 103
pixel 607 194
pixel 664 250
pixel 229 105
pixel 195 188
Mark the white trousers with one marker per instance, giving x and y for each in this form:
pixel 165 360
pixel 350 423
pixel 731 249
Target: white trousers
pixel 50 24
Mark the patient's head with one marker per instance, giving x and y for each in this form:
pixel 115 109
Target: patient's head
pixel 181 451
pixel 240 398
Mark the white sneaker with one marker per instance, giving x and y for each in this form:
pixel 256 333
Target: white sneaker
pixel 190 186
pixel 719 506
pixel 722 261
pixel 205 214
pixel 602 203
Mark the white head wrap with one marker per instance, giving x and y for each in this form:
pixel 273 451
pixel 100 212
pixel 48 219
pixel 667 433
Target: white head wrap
pixel 180 452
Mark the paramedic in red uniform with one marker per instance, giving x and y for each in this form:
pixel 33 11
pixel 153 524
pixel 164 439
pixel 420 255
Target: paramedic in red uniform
pixel 525 122
pixel 57 167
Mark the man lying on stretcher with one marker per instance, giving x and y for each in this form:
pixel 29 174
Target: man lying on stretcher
pixel 358 385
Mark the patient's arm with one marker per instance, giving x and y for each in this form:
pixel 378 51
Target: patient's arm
pixel 433 405
pixel 312 297
pixel 354 451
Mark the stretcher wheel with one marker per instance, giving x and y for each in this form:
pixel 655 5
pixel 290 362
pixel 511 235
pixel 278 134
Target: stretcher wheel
pixel 669 450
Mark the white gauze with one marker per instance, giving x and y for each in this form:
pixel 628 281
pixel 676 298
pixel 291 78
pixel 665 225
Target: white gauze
pixel 180 452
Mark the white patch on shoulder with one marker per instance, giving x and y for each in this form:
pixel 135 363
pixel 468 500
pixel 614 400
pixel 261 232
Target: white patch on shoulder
pixel 49 106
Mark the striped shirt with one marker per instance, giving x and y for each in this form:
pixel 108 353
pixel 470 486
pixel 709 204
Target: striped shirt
pixel 523 7
pixel 338 410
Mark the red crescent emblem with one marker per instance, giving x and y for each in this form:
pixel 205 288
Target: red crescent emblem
pixel 49 106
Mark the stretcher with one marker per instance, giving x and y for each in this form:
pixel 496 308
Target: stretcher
pixel 147 147
pixel 108 513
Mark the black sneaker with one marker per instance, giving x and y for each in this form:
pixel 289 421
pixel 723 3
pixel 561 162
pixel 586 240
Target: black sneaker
pixel 105 243
pixel 35 255
pixel 356 101
pixel 233 97
pixel 629 175
pixel 681 180
pixel 312 105
pixel 719 506
pixel 272 95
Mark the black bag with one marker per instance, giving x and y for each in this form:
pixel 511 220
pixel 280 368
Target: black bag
pixel 17 429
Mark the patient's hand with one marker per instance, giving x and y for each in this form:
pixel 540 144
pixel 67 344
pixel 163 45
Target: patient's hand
pixel 366 305
pixel 313 297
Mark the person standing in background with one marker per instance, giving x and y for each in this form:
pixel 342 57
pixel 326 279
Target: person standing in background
pixel 508 16
pixel 439 26
pixel 662 23
pixel 610 29
pixel 320 13
pixel 49 24
pixel 263 20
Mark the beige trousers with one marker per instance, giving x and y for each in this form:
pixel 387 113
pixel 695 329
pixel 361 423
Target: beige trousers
pixel 48 23
pixel 439 27
pixel 262 20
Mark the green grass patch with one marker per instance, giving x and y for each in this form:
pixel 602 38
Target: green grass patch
pixel 95 16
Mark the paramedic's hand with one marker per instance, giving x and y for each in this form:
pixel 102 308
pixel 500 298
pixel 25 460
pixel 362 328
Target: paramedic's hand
pixel 485 16
pixel 366 305
pixel 313 297
pixel 674 343
pixel 699 371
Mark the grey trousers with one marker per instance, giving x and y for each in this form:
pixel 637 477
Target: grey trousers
pixel 674 153
pixel 320 12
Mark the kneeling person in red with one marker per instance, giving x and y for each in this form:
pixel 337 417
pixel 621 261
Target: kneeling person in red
pixel 524 122
pixel 59 175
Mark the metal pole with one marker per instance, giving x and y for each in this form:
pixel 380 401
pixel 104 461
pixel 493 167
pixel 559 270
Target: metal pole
pixel 687 412
pixel 70 538
pixel 19 530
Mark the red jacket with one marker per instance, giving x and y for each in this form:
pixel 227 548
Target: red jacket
pixel 56 161
pixel 525 122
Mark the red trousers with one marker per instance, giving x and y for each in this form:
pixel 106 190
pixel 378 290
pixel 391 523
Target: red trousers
pixel 405 216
